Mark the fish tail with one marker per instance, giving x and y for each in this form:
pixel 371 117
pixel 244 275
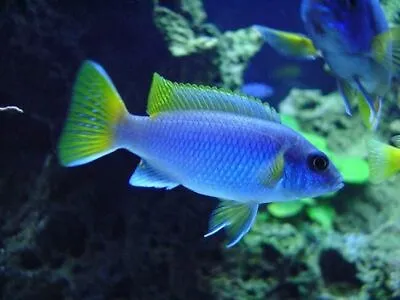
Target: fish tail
pixel 94 115
pixel 383 160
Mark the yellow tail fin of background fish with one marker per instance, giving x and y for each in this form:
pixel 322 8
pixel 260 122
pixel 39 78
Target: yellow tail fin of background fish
pixel 383 159
pixel 96 110
pixel 390 38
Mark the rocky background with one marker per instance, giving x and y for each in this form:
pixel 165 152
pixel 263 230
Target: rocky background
pixel 84 233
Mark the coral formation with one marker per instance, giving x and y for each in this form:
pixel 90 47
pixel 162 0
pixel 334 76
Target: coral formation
pixel 228 53
pixel 324 115
pixel 392 10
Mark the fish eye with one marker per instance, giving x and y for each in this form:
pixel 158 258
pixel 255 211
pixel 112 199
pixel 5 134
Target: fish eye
pixel 318 162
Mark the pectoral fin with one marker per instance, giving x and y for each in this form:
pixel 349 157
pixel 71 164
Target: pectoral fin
pixel 288 43
pixel 236 217
pixel 147 176
pixel 273 172
pixel 347 93
pixel 367 117
pixel 373 108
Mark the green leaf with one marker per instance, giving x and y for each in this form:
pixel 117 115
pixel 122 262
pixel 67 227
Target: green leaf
pixel 285 209
pixel 322 214
pixel 290 121
pixel 319 142
pixel 353 169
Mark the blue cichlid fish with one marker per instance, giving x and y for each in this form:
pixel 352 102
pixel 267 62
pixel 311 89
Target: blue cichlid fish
pixel 212 141
pixel 358 46
pixel 258 90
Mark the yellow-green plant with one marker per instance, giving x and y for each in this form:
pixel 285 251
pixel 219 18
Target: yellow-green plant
pixel 319 211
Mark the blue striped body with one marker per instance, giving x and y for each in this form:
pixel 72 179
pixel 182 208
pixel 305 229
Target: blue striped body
pixel 224 155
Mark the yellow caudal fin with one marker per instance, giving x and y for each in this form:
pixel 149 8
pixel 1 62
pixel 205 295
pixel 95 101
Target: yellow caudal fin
pixel 386 49
pixel 383 160
pixel 95 111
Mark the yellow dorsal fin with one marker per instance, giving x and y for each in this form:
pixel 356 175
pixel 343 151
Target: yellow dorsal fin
pixel 166 95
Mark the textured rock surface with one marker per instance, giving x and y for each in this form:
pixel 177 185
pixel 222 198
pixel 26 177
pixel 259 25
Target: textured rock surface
pixel 227 53
pixel 392 10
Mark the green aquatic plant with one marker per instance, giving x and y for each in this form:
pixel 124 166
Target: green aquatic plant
pixel 290 121
pixel 354 169
pixel 285 209
pixel 323 214
pixel 318 141
pixel 319 211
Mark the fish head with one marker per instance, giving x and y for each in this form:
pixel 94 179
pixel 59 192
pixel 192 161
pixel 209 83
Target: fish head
pixel 343 25
pixel 309 172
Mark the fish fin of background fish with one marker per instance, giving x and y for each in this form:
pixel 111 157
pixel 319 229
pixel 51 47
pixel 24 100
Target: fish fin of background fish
pixel 365 111
pixel 395 35
pixel 274 172
pixel 257 90
pixel 368 99
pixel 95 111
pixel 396 140
pixel 237 218
pixel 385 43
pixel 147 176
pixel 166 95
pixel 383 160
pixel 288 43
pixel 347 93
pixel 378 108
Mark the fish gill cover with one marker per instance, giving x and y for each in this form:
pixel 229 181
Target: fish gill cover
pixel 85 234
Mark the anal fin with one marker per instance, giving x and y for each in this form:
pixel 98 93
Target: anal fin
pixel 374 111
pixel 147 176
pixel 236 217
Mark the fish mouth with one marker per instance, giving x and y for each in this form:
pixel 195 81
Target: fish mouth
pixel 338 183
pixel 339 186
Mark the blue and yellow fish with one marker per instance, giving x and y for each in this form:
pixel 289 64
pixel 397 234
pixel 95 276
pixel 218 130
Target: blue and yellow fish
pixel 354 38
pixel 213 142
